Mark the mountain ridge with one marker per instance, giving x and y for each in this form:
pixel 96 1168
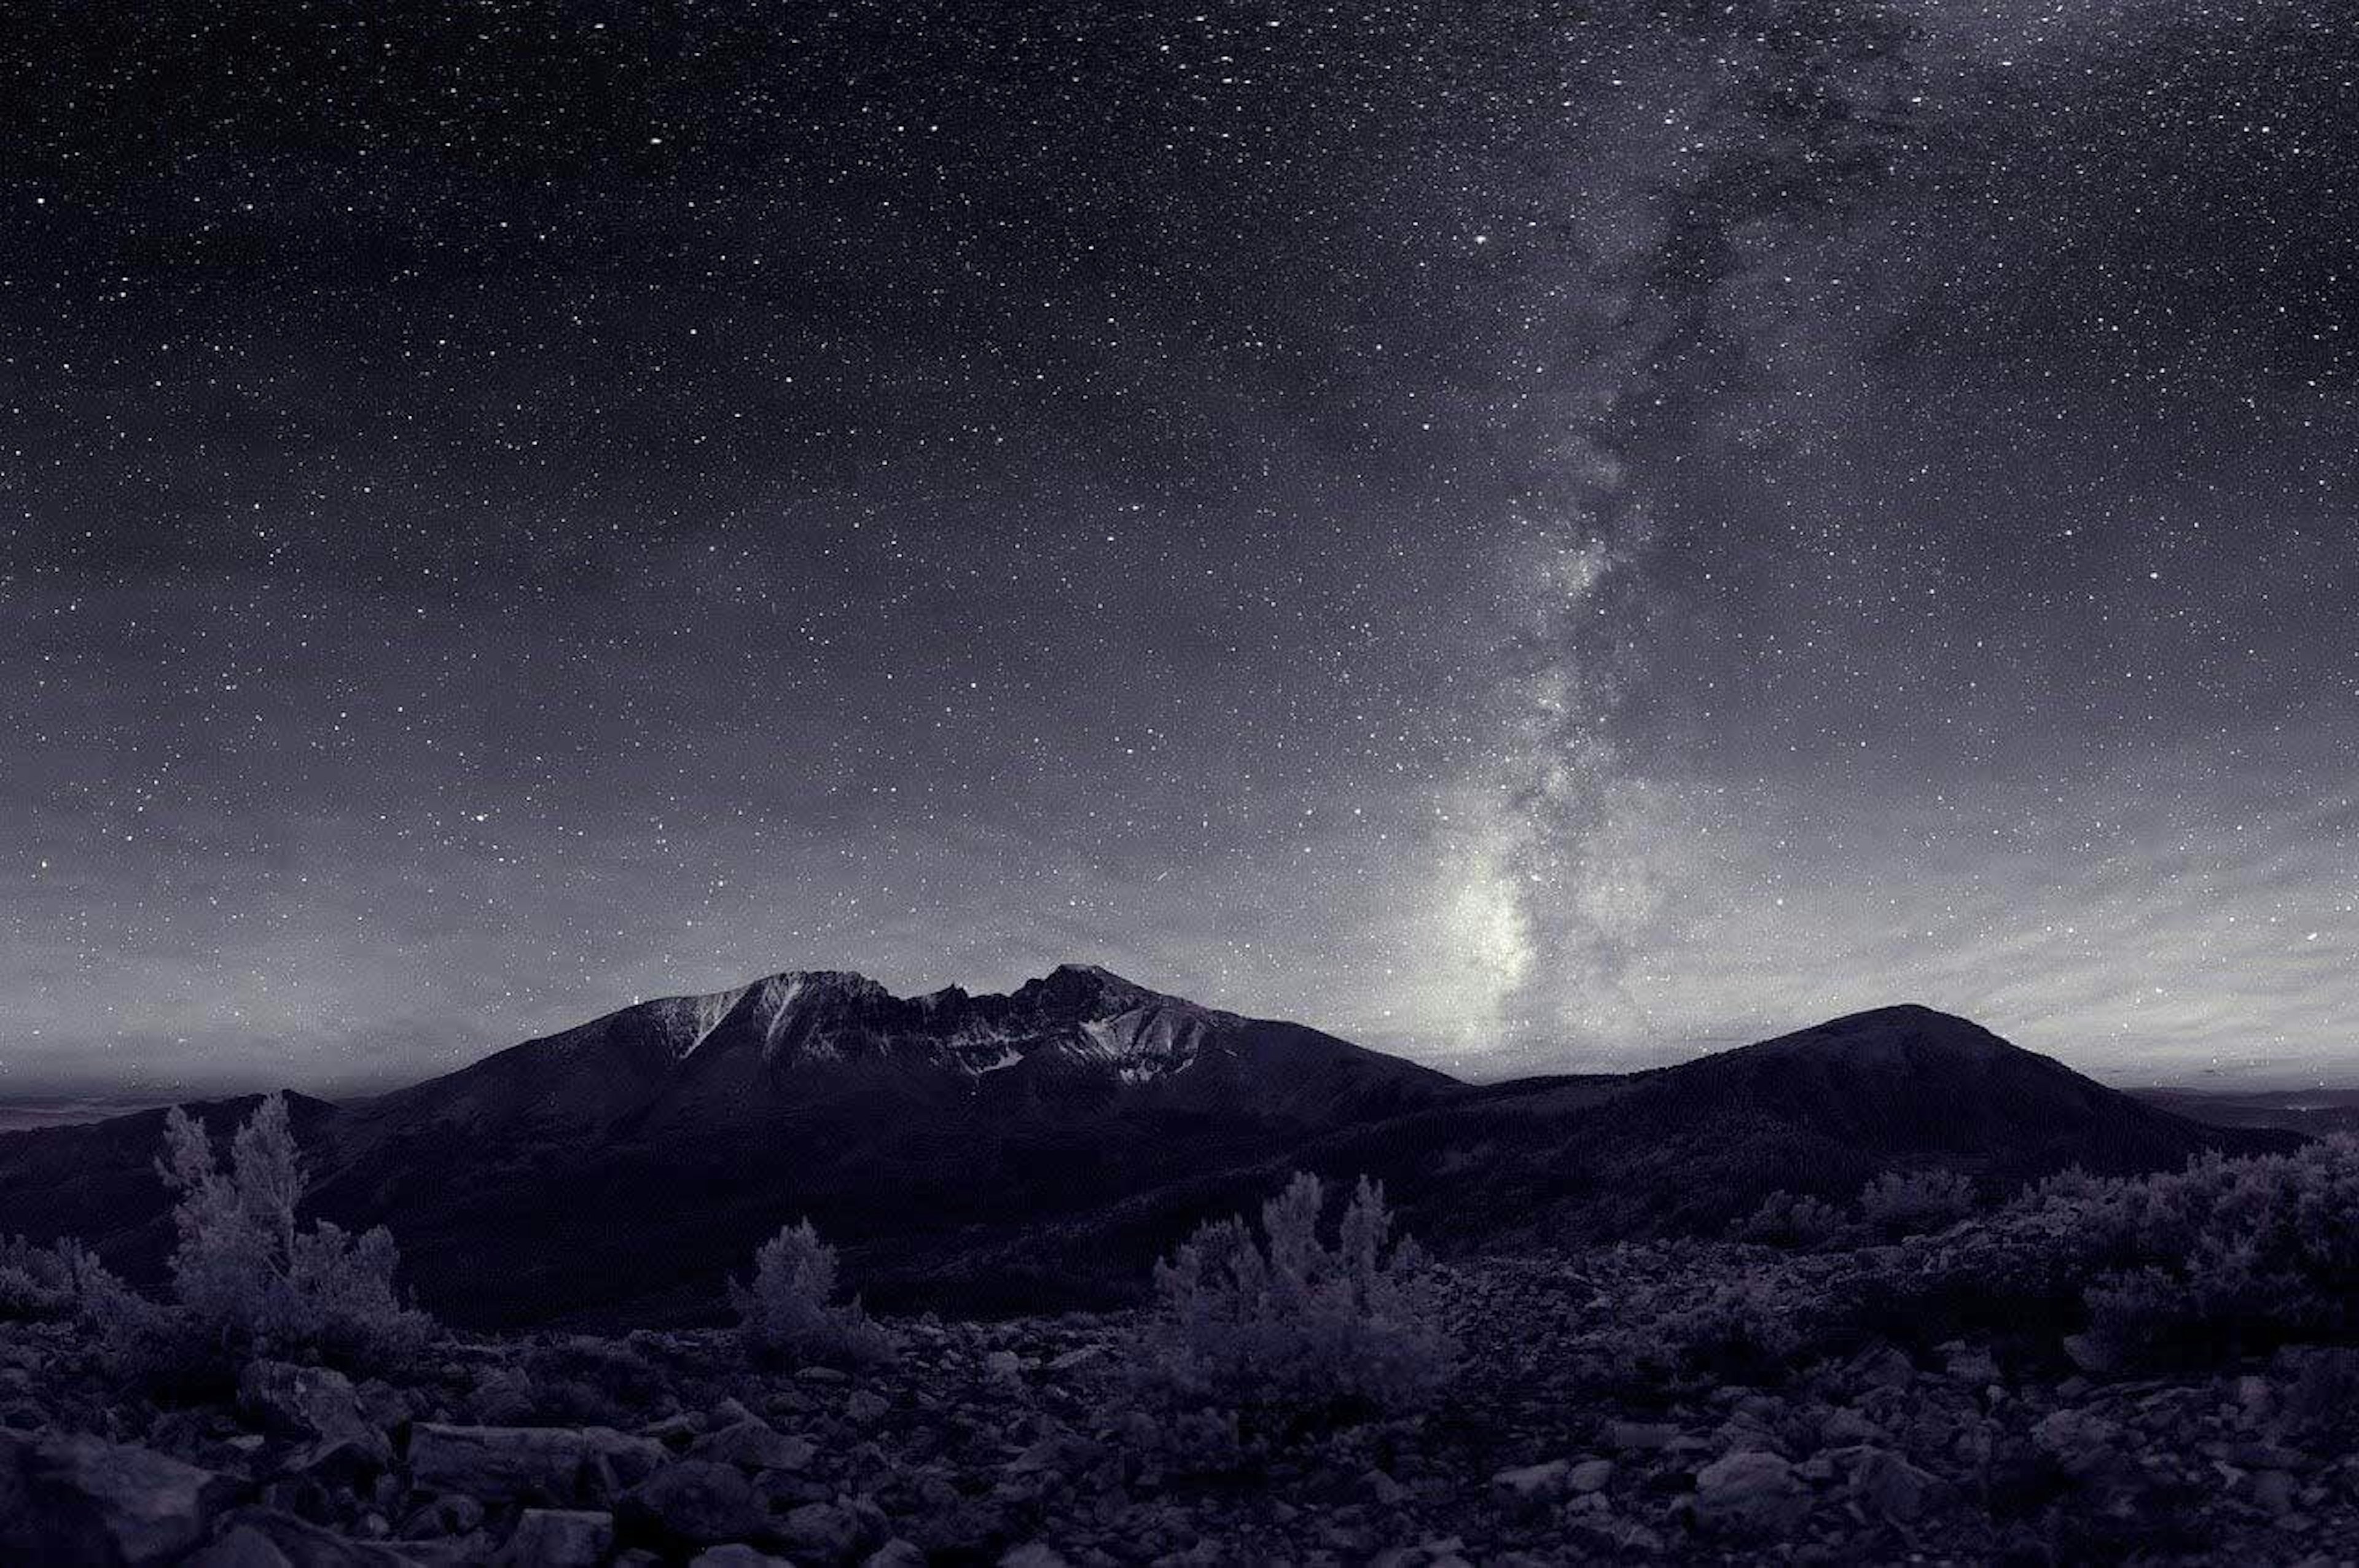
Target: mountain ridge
pixel 1009 1151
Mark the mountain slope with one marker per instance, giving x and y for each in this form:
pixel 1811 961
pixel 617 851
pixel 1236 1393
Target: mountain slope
pixel 623 1162
pixel 1565 1162
pixel 1007 1153
pixel 1820 1110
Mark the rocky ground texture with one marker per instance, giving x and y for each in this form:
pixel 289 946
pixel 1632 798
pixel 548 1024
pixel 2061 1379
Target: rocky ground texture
pixel 1564 1440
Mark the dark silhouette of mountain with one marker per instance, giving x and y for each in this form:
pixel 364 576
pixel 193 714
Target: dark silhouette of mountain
pixel 1004 1152
pixel 1572 1161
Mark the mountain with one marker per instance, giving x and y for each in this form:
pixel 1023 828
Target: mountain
pixel 618 1166
pixel 1545 1162
pixel 988 1152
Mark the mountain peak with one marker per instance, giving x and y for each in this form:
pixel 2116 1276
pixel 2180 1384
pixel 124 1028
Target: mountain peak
pixel 1907 1038
pixel 1085 989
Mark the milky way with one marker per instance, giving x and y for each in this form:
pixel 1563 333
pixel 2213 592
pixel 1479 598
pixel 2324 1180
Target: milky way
pixel 1533 537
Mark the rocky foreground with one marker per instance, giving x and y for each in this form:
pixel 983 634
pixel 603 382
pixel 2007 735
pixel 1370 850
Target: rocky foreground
pixel 1021 1442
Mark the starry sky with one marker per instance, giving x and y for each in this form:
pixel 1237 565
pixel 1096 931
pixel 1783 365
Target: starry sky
pixel 1534 536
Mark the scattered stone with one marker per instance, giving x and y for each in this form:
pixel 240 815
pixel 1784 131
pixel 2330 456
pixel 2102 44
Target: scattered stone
pixel 2092 1353
pixel 82 1500
pixel 1970 1364
pixel 1534 1481
pixel 696 1501
pixel 1589 1475
pixel 557 1466
pixel 1846 1425
pixel 1034 1554
pixel 318 1407
pixel 558 1538
pixel 1637 1436
pixel 2078 1441
pixel 308 1545
pixel 243 1546
pixel 2273 1491
pixel 1750 1494
pixel 754 1444
pixel 455 1514
pixel 1884 1366
pixel 1888 1486
pixel 822 1530
pixel 736 1554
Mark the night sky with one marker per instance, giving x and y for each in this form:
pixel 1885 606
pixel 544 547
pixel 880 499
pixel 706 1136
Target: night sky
pixel 1532 537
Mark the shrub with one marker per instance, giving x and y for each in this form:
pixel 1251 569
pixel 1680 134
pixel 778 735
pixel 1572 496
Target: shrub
pixel 1288 1321
pixel 583 1380
pixel 247 1279
pixel 1787 1220
pixel 1902 1202
pixel 36 1283
pixel 2228 1255
pixel 790 1313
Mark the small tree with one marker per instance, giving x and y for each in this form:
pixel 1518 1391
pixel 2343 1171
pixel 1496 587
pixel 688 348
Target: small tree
pixel 788 1312
pixel 248 1279
pixel 1290 1321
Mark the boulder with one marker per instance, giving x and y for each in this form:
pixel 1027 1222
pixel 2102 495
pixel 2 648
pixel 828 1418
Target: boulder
pixel 318 1408
pixel 1638 1436
pixel 1881 1367
pixel 696 1501
pixel 1884 1484
pixel 307 1545
pixel 243 1546
pixel 753 1445
pixel 821 1532
pixel 2078 1441
pixel 1034 1554
pixel 558 1538
pixel 736 1554
pixel 1532 1482
pixel 1589 1475
pixel 452 1514
pixel 529 1463
pixel 83 1500
pixel 1749 1494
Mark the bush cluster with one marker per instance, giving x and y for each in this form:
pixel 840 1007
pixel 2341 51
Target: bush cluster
pixel 2227 1257
pixel 37 1283
pixel 1896 1203
pixel 1289 1322
pixel 1904 1203
pixel 248 1279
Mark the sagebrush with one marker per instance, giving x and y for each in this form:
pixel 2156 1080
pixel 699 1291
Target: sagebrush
pixel 1285 1320
pixel 789 1311
pixel 1900 1203
pixel 36 1283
